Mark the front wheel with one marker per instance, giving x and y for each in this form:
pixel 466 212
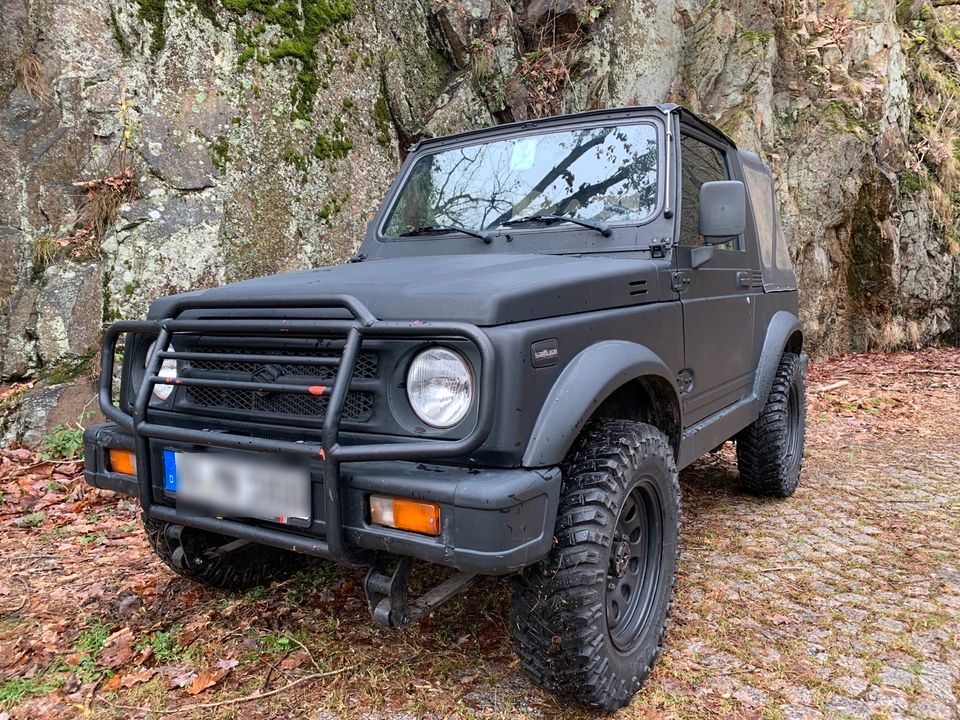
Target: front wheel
pixel 588 621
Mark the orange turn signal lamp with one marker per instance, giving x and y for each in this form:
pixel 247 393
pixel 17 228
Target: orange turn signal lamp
pixel 122 461
pixel 412 515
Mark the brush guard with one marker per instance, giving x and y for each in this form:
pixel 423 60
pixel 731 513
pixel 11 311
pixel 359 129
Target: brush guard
pixel 361 325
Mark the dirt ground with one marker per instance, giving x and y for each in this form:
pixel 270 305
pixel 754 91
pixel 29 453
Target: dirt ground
pixel 842 602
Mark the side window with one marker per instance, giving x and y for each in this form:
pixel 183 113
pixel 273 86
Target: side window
pixel 700 163
pixel 783 252
pixel 760 186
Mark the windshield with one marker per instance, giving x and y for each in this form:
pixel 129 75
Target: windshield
pixel 605 174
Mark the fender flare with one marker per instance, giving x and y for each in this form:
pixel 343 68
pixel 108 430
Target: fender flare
pixel 783 325
pixel 587 380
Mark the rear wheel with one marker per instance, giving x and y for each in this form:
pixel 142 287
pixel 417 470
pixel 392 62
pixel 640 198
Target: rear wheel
pixel 187 551
pixel 588 621
pixel 770 451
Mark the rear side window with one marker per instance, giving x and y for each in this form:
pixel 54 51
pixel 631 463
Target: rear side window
pixel 700 163
pixel 783 252
pixel 760 186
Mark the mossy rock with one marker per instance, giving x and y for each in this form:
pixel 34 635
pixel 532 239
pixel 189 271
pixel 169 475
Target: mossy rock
pixel 301 26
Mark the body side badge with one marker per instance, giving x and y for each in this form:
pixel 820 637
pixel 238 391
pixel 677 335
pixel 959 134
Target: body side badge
pixel 545 353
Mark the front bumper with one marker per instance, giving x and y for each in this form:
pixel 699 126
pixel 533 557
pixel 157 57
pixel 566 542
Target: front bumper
pixel 493 521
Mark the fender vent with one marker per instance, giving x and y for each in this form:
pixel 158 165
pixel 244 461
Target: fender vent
pixel 756 280
pixel 638 287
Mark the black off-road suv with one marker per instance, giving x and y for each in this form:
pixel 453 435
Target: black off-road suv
pixel 544 322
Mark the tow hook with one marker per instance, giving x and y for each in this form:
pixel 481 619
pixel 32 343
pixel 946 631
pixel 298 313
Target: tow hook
pixel 390 602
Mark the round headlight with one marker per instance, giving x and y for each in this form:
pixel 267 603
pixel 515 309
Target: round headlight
pixel 168 370
pixel 440 387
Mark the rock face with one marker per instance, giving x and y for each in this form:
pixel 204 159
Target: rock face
pixel 69 311
pixel 44 408
pixel 260 137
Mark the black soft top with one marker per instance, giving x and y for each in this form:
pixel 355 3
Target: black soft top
pixel 581 118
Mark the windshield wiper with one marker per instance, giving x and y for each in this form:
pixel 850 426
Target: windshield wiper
pixel 600 227
pixel 428 229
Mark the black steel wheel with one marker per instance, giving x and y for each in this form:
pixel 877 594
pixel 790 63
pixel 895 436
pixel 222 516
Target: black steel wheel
pixel 770 450
pixel 633 574
pixel 589 620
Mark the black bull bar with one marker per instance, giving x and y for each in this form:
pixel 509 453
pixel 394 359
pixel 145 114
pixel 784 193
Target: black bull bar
pixel 362 325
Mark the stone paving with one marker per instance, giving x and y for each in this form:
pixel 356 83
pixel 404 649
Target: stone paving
pixel 842 602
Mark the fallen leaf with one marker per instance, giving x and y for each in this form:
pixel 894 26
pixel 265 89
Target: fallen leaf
pixel 144 655
pixel 118 649
pixel 294 661
pixel 206 679
pixel 136 678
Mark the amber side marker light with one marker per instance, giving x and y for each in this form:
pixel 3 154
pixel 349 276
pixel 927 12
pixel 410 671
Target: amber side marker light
pixel 418 517
pixel 122 461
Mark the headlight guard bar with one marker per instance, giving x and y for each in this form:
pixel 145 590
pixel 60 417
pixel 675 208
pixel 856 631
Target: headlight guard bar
pixel 362 325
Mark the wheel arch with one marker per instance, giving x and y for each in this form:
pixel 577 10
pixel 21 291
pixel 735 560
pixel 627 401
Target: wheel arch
pixel 613 379
pixel 784 334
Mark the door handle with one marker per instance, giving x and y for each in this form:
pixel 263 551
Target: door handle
pixel 743 281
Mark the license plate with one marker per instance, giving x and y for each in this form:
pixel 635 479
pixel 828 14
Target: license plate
pixel 229 485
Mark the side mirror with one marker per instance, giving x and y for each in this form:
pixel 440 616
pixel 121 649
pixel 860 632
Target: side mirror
pixel 723 211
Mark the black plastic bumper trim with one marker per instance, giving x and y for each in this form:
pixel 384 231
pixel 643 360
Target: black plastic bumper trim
pixel 493 520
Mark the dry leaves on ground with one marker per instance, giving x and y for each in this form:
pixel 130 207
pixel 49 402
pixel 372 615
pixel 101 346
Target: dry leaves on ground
pixel 840 602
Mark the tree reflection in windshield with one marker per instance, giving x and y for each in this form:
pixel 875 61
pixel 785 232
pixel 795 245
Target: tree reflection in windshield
pixel 598 174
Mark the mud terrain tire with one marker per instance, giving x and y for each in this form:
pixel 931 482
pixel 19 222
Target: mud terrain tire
pixel 250 566
pixel 770 451
pixel 588 621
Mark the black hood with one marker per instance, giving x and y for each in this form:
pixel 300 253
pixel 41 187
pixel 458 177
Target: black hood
pixel 479 289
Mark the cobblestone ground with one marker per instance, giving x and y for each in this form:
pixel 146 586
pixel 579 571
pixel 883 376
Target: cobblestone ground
pixel 841 602
pixel 844 601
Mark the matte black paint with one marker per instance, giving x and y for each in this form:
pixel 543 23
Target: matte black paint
pixel 480 289
pixel 631 307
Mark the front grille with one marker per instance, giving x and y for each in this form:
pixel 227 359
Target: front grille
pixel 366 367
pixel 358 406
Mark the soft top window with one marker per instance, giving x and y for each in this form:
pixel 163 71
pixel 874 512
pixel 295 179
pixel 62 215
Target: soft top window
pixel 761 200
pixel 774 253
pixel 783 252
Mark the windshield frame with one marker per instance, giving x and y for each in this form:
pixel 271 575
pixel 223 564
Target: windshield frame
pixel 624 232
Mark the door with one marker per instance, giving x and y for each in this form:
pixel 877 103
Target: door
pixel 718 305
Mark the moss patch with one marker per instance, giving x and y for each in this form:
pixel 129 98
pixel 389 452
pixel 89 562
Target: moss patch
pixel 335 146
pixel 331 148
pixel 118 37
pixel 220 154
pixel 154 12
pixel 332 205
pixel 930 35
pixel 910 183
pixel 381 118
pixel 301 26
pixel 65 370
pixel 292 157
